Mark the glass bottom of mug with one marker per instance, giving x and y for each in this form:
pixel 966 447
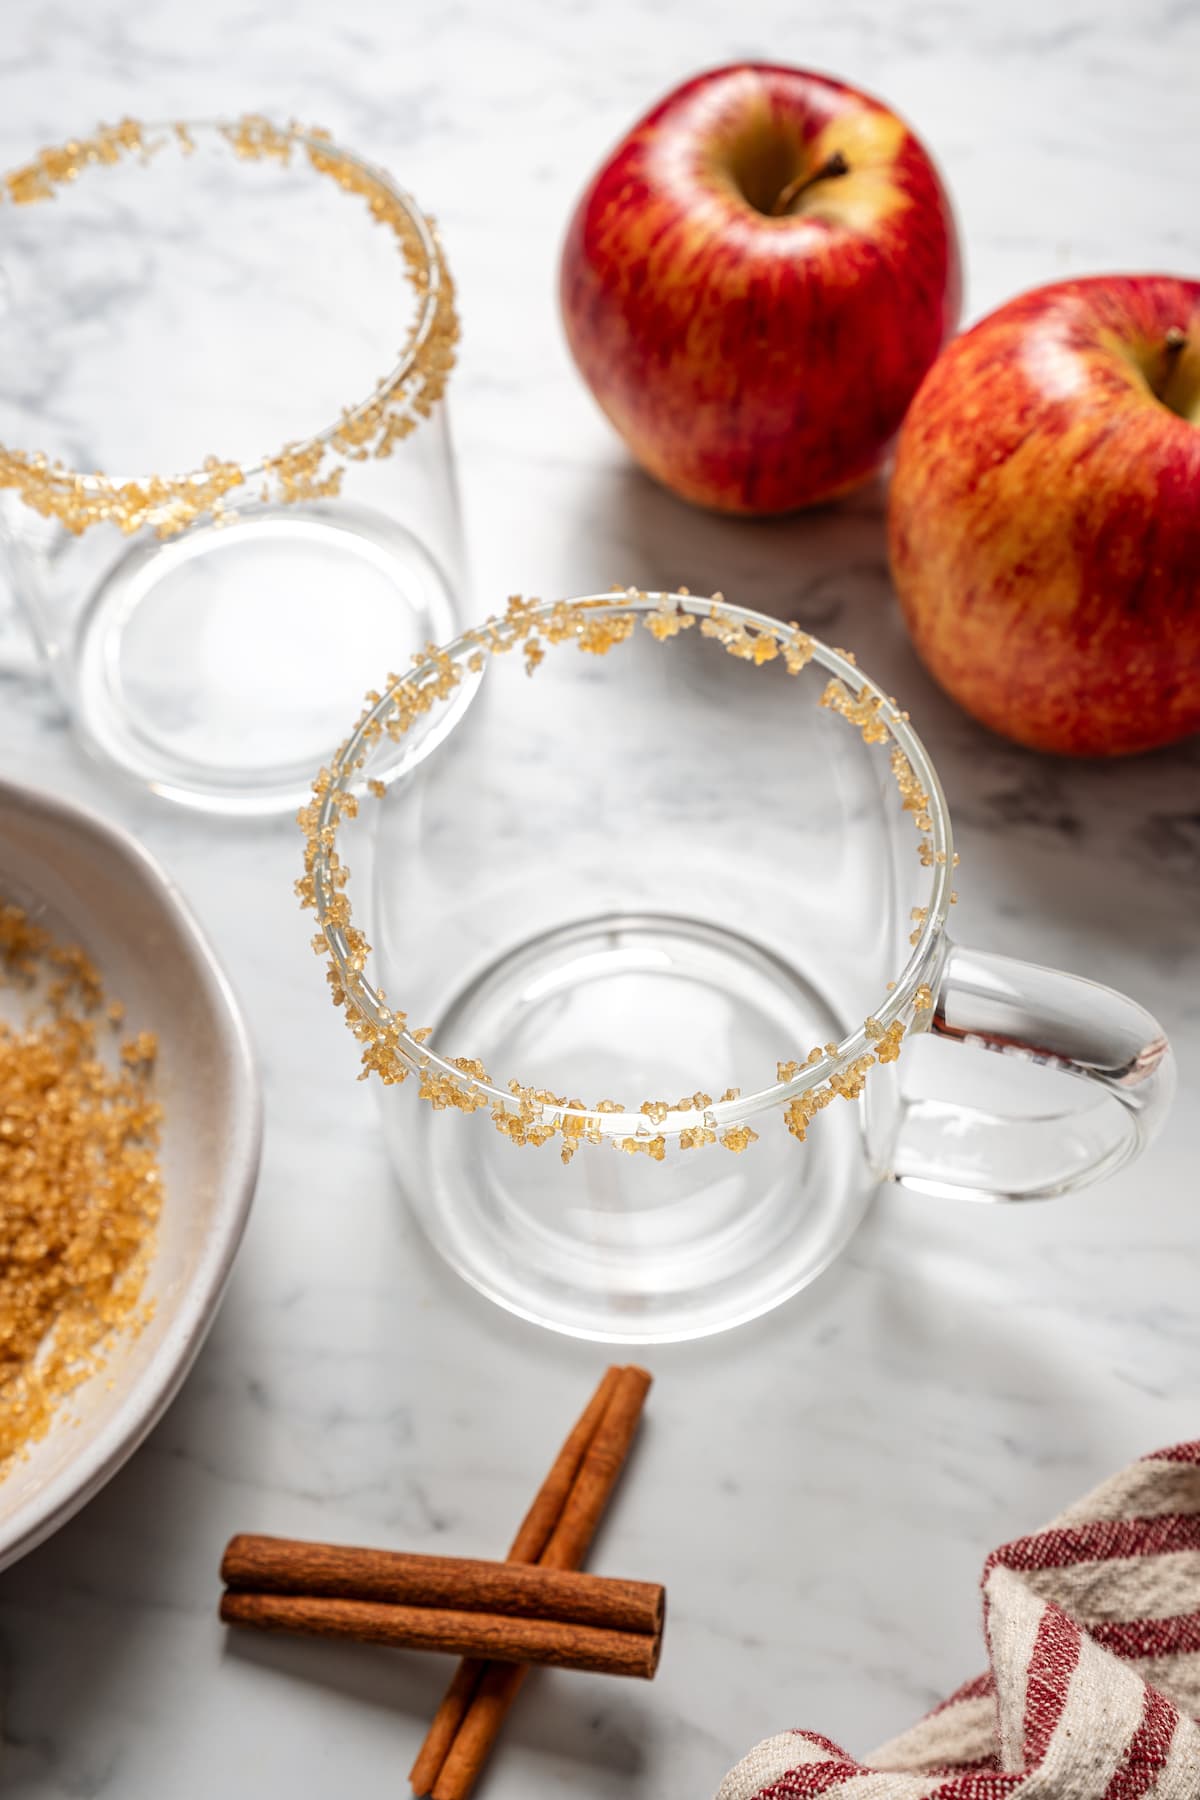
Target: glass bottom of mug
pixel 613 1246
pixel 220 667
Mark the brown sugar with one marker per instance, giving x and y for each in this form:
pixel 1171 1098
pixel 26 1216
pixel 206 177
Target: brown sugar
pixel 80 1183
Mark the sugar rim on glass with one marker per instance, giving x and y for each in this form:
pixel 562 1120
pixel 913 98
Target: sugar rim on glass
pixel 595 623
pixel 402 397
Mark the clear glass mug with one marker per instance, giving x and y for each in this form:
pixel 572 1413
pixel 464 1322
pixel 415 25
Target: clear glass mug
pixel 261 309
pixel 653 935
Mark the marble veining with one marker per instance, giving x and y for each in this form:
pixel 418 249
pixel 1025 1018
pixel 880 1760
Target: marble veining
pixel 818 1490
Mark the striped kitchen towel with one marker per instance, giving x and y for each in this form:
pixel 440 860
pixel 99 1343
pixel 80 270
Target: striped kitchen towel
pixel 1093 1630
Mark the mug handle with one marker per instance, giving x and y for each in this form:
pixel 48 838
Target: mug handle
pixel 1119 1052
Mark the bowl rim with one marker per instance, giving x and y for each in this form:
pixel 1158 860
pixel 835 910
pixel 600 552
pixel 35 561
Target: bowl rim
pixel 384 1029
pixel 149 1396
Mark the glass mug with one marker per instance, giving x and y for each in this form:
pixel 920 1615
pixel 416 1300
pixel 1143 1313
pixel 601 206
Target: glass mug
pixel 664 922
pixel 260 308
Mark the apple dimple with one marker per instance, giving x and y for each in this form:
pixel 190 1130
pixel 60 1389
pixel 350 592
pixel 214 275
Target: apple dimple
pixel 777 176
pixel 1172 371
pixel 761 165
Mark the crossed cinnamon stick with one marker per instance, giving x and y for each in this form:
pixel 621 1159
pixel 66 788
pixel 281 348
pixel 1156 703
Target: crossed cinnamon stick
pixel 556 1533
pixel 534 1608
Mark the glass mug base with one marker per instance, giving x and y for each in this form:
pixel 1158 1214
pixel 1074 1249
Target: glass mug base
pixel 169 683
pixel 645 1254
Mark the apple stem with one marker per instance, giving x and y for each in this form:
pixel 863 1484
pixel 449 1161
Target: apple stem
pixel 832 166
pixel 1175 342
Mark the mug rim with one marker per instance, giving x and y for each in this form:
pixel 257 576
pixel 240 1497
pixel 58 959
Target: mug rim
pixel 337 788
pixel 424 359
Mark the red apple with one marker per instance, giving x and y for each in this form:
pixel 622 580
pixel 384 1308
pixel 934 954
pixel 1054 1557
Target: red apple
pixel 1045 516
pixel 755 283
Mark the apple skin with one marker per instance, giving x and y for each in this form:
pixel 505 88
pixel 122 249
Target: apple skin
pixel 756 364
pixel 1044 517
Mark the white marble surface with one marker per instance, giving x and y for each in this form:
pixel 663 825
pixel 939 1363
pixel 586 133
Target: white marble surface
pixel 818 1490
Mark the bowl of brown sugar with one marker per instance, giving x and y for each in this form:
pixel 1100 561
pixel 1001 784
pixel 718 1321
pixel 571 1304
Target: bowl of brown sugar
pixel 130 1126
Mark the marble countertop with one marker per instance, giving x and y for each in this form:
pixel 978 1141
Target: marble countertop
pixel 821 1514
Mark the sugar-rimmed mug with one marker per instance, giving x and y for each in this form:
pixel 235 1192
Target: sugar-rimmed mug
pixel 652 935
pixel 261 309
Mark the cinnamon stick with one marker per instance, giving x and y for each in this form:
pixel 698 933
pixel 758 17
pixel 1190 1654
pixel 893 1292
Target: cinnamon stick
pixel 568 1544
pixel 532 1537
pixel 554 1643
pixel 272 1565
pixel 539 1523
pixel 572 1537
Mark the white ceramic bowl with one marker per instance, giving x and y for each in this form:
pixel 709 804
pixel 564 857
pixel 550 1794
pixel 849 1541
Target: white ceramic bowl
pixel 93 884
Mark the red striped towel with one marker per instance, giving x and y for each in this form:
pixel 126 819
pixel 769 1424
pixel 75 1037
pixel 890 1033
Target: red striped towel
pixel 1093 1630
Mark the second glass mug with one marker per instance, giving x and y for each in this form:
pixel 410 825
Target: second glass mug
pixel 172 292
pixel 640 927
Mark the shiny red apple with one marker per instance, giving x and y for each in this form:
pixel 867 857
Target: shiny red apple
pixel 755 283
pixel 1045 516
